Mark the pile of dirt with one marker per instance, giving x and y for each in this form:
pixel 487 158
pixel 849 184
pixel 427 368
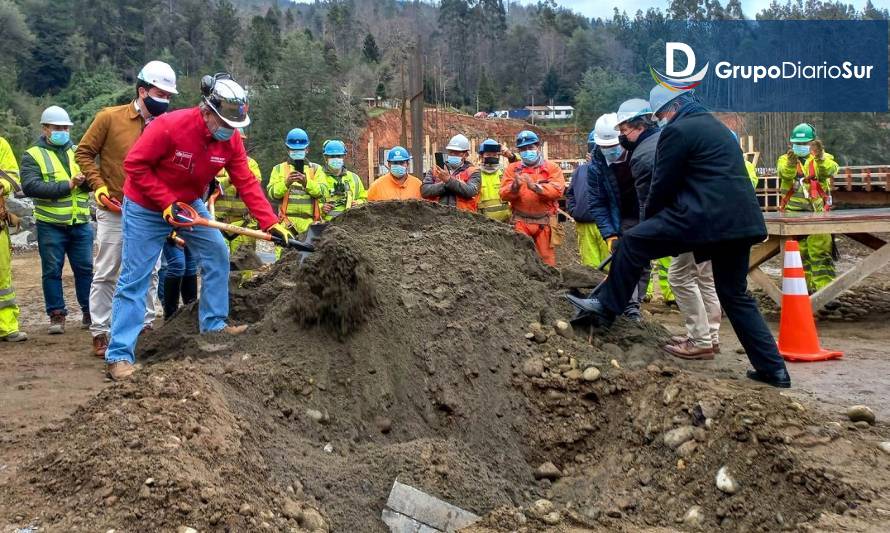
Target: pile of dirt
pixel 427 345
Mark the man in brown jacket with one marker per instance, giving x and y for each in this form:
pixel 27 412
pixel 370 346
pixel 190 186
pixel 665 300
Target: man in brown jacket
pixel 110 136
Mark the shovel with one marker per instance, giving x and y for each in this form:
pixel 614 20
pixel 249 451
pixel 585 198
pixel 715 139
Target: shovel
pixel 189 217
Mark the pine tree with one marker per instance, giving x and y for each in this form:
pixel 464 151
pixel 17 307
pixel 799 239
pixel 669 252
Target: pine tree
pixel 369 49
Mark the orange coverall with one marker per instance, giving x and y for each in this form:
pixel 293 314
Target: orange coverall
pixel 535 201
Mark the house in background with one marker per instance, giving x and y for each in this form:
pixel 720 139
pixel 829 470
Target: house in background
pixel 551 112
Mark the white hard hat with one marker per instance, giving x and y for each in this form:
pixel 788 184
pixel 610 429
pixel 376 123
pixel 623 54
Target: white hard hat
pixel 631 109
pixel 55 116
pixel 660 96
pixel 459 143
pixel 160 75
pixel 604 132
pixel 229 101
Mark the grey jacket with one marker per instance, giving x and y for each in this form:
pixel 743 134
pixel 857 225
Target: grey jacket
pixel 642 165
pixel 33 184
pixel 447 193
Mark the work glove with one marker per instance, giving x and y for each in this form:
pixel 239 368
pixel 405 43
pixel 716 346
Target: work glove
pixel 792 157
pixel 611 242
pixel 5 187
pixel 817 149
pixel 279 233
pixel 175 239
pixel 173 214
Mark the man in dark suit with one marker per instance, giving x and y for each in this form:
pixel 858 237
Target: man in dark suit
pixel 700 201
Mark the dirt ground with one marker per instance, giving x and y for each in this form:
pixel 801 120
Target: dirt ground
pixel 393 402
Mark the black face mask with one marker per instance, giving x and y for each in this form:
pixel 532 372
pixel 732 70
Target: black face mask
pixel 491 160
pixel 155 107
pixel 626 143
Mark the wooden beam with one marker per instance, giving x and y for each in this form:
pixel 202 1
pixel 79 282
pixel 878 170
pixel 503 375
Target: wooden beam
pixel 763 281
pixel 764 251
pixel 372 154
pixel 873 242
pixel 871 264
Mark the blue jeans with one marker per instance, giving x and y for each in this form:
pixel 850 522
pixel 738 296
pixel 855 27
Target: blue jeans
pixel 180 261
pixel 144 234
pixel 54 242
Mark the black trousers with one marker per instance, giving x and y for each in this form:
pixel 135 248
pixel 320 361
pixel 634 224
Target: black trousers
pixel 729 260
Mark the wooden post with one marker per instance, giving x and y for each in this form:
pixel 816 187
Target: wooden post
pixel 546 150
pixel 372 153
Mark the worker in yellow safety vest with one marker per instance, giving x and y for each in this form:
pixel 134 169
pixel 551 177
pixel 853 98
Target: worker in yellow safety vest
pixel 805 174
pixel 490 203
pixel 9 310
pixel 228 207
pixel 343 188
pixel 293 183
pixel 52 177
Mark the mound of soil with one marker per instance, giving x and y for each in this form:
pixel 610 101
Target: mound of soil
pixel 422 344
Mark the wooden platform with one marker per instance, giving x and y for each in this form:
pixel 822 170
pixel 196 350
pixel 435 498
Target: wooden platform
pixel 857 224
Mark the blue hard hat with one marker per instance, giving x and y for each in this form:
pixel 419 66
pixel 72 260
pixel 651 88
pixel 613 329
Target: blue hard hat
pixel 397 154
pixel 489 145
pixel 334 147
pixel 297 139
pixel 526 137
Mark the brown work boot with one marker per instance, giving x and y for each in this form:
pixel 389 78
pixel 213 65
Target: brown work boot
pixel 56 323
pixel 688 350
pixel 86 320
pixel 235 330
pixel 100 345
pixel 716 347
pixel 679 339
pixel 120 370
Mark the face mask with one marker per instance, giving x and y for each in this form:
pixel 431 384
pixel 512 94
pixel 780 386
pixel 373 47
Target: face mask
pixel 297 155
pixel 335 164
pixel 223 133
pixel 801 150
pixel 453 161
pixel 155 106
pixel 529 157
pixel 612 153
pixel 626 143
pixel 59 138
pixel 492 161
pixel 662 122
pixel 398 170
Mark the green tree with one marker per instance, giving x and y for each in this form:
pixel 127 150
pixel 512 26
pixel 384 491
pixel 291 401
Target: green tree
pixel 602 91
pixel 488 94
pixel 370 51
pixel 262 51
pixel 226 27
pixel 550 86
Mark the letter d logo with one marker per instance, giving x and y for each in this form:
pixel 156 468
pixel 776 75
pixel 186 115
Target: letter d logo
pixel 670 52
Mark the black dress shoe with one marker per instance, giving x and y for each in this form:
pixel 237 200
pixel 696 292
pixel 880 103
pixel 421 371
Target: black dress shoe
pixel 779 379
pixel 593 309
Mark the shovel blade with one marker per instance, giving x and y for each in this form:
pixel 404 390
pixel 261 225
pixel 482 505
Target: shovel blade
pixel 409 510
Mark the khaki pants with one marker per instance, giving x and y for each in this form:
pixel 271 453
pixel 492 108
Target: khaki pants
pixel 106 267
pixel 693 286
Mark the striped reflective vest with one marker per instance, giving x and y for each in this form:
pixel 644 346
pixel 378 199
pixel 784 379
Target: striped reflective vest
pixel 344 191
pixel 490 203
pixel 229 206
pixel 67 210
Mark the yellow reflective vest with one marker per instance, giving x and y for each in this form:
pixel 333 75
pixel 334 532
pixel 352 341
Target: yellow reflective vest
pixel 344 191
pixel 490 203
pixel 790 174
pixel 73 208
pixel 302 202
pixel 229 207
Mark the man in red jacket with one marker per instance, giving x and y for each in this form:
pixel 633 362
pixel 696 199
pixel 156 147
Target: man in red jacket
pixel 533 186
pixel 174 161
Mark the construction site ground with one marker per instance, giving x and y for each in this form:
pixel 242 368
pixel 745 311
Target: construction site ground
pixel 52 389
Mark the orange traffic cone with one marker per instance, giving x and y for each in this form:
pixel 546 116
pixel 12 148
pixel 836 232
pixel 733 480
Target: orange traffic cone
pixel 797 329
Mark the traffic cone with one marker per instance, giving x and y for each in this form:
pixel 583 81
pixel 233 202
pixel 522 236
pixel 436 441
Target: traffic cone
pixel 797 329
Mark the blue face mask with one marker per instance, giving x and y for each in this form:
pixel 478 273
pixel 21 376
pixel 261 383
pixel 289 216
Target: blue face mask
pixel 398 170
pixel 59 138
pixel 662 122
pixel 529 157
pixel 335 164
pixel 223 133
pixel 453 161
pixel 801 150
pixel 297 155
pixel 612 154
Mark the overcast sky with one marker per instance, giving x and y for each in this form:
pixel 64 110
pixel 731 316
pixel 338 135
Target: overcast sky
pixel 603 8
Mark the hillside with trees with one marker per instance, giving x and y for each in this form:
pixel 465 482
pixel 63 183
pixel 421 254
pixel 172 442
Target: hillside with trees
pixel 310 65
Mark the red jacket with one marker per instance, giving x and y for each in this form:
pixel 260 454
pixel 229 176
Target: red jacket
pixel 176 157
pixel 526 201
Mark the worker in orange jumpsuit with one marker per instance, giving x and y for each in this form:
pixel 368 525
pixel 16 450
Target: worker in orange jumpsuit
pixel 533 187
